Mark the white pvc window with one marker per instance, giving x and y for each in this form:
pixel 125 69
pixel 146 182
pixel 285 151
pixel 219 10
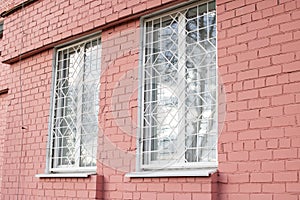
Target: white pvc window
pixel 74 126
pixel 179 126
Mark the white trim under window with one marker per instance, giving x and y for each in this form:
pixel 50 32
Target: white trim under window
pixel 178 99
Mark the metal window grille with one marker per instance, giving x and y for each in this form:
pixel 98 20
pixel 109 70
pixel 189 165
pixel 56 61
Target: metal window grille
pixel 179 126
pixel 75 106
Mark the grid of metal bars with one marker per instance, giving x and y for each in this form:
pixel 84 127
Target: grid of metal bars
pixel 75 106
pixel 180 89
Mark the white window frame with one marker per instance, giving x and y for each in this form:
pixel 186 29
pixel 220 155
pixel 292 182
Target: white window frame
pixel 51 163
pixel 177 166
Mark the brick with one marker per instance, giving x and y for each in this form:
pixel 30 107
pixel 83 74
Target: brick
pixel 236 106
pixel 245 10
pixel 250 188
pixel 237 86
pixel 236 126
pixel 196 196
pixel 249 135
pixel 148 195
pixel 235 4
pixel 180 196
pixel 272 133
pixel 291 67
pixel 285 176
pixel 261 155
pixel 282 38
pixel 226 24
pixel 292 187
pixel 292 131
pixel 155 187
pixel 251 166
pixel 238 178
pixel 291 46
pixel 283 58
pixel 260 123
pixel 247 37
pixel 268 31
pixel 294 77
pixel 248 84
pixel 259 24
pixel 270 81
pixel 261 177
pixel 279 19
pixel 191 187
pixel 283 100
pixel 173 187
pixel 284 142
pixel 285 197
pixel 260 62
pixel 258 103
pixel 267 71
pixel 250 94
pixel 292 164
pixel 238 196
pixel 227 137
pixel 292 109
pixel 249 55
pixel 270 91
pixel 266 4
pixel 261 82
pixel 272 166
pixel 228 167
pixel 258 43
pixel 238 67
pixel 283 121
pixel 237 48
pixel 270 112
pixel 163 196
pixel 273 188
pixel 285 153
pixel 227 42
pixel 249 114
pixel 268 51
pixel 238 156
pixel 236 30
pixel 237 146
pixel 227 60
pixel 272 144
pixel 260 196
pixel 250 74
pixel 291 88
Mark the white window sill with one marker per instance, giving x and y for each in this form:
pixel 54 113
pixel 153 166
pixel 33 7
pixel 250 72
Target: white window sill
pixel 205 172
pixel 65 175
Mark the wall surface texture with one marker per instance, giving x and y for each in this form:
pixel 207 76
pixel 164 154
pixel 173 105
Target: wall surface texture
pixel 259 72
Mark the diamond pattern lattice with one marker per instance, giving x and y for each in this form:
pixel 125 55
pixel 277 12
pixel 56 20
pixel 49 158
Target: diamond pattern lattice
pixel 75 118
pixel 180 87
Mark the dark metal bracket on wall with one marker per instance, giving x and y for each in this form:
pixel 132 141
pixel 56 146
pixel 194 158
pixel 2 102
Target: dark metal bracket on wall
pixel 16 8
pixel 4 91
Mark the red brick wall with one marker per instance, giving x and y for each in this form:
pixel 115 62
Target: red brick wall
pixel 259 145
pixel 3 108
pixel 8 4
pixel 4 82
pixel 25 149
pixel 46 22
pixel 259 53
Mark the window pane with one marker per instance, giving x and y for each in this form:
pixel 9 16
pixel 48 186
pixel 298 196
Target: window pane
pixel 180 88
pixel 76 105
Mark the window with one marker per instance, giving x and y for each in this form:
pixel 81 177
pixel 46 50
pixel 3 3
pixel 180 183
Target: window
pixel 179 109
pixel 74 125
